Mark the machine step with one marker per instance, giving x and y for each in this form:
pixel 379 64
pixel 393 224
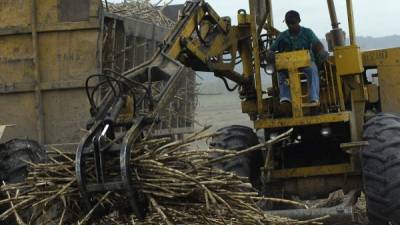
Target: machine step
pixel 311 105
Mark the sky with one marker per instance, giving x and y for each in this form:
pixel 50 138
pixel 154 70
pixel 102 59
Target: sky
pixel 372 17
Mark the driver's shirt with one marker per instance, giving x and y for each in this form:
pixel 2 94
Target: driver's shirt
pixel 304 40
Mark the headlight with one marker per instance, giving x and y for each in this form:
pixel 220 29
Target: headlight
pixel 270 69
pixel 326 131
pixel 273 135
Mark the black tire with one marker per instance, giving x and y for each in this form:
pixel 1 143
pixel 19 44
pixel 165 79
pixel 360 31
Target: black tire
pixel 14 156
pixel 13 169
pixel 380 162
pixel 239 138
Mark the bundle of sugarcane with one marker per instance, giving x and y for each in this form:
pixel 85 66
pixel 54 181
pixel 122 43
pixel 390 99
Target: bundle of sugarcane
pixel 180 184
pixel 141 9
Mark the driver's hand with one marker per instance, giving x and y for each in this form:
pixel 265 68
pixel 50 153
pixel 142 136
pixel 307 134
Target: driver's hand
pixel 323 57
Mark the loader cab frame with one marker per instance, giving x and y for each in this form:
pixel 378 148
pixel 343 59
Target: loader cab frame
pixel 337 122
pixel 347 100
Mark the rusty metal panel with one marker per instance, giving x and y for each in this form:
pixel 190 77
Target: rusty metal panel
pixel 64 56
pixel 67 52
pixel 60 11
pixel 47 13
pixel 66 115
pixel 16 59
pixel 74 58
pixel 18 109
pixel 73 10
pixel 20 15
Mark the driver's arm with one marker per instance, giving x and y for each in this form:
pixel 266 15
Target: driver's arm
pixel 275 45
pixel 318 48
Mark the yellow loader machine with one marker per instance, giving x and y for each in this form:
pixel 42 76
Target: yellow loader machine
pixel 349 141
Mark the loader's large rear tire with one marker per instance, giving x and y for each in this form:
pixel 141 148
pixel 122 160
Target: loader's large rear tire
pixel 14 156
pixel 238 138
pixel 380 162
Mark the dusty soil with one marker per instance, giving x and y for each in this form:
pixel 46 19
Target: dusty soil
pixel 220 111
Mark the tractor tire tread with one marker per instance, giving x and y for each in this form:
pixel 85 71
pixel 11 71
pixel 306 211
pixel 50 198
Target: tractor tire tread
pixel 380 162
pixel 238 138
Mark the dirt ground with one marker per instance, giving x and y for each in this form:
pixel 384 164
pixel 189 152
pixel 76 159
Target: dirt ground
pixel 220 111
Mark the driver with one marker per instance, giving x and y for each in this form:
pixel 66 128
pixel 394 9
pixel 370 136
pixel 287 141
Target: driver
pixel 300 38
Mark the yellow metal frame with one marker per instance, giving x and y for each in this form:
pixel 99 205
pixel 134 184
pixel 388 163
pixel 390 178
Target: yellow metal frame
pixel 388 64
pixel 302 121
pixel 381 57
pixel 292 62
pixel 251 106
pixel 313 171
pixel 348 60
pixel 227 40
pixel 188 30
pixel 256 56
pixel 295 60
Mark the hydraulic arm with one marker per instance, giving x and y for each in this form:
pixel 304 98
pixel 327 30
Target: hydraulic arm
pixel 201 40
